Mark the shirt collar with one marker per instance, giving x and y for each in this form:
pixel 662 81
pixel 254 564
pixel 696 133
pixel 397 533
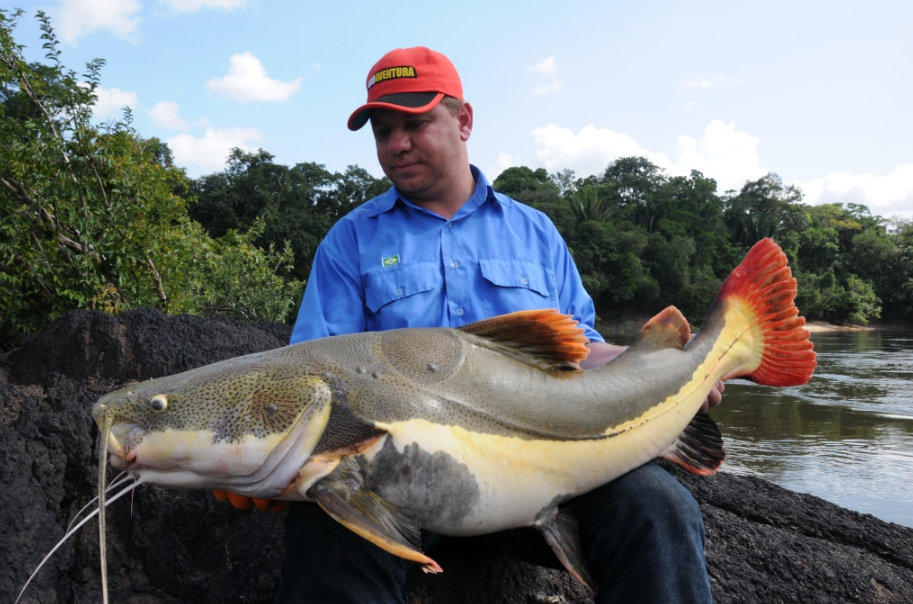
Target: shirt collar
pixel 482 193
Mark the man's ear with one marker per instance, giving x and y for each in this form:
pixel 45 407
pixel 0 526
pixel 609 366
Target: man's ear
pixel 465 119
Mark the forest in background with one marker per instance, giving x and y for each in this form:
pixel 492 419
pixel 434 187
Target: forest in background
pixel 95 216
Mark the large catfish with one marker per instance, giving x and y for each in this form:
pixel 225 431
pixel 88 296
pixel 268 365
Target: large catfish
pixel 460 431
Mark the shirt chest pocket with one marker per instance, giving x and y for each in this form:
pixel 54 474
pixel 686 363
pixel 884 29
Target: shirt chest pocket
pixel 517 285
pixel 404 282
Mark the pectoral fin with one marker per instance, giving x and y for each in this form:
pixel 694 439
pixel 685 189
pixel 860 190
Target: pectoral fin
pixel 344 496
pixel 559 527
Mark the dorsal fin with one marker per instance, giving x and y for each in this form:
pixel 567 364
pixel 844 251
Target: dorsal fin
pixel 544 334
pixel 668 329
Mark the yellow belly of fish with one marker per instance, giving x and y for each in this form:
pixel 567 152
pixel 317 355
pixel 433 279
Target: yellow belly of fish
pixel 518 477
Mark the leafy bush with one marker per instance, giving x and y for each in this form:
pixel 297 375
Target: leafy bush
pixel 92 217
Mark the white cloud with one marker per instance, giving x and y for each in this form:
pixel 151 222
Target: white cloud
pixel 554 86
pixel 188 6
pixel 885 195
pixel 209 152
pixel 503 162
pixel 549 66
pixel 165 115
pixel 722 152
pixel 247 81
pixel 80 17
pixel 708 81
pixel 588 152
pixel 111 102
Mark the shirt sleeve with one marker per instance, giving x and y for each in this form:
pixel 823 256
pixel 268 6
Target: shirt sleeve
pixel 334 299
pixel 572 296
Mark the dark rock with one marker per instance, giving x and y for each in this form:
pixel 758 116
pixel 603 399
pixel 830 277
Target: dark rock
pixel 137 345
pixel 764 543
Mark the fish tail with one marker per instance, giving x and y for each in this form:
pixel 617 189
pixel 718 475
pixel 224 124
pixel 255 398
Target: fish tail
pixel 757 304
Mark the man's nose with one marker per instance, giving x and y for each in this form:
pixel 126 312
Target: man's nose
pixel 399 142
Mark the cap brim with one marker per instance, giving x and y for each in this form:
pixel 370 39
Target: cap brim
pixel 406 102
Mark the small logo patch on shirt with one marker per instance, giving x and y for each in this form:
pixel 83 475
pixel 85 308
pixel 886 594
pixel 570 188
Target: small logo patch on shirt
pixel 390 261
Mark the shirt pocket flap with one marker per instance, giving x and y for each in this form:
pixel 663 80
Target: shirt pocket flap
pixel 391 284
pixel 516 273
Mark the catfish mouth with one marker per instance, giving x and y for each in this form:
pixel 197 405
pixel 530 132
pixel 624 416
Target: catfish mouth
pixel 122 442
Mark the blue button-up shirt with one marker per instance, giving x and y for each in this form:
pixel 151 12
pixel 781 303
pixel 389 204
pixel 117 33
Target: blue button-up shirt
pixel 390 263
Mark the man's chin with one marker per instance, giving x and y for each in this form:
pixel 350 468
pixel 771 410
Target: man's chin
pixel 409 185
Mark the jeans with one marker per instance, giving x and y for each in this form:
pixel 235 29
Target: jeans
pixel 642 534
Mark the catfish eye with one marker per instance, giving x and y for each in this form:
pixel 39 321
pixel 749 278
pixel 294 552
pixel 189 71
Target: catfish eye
pixel 158 403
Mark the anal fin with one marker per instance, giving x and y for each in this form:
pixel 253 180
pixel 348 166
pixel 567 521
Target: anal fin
pixel 699 448
pixel 343 495
pixel 559 527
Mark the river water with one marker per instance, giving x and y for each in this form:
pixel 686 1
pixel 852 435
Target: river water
pixel 846 436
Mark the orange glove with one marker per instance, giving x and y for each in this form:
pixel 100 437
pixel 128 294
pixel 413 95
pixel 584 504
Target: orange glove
pixel 245 503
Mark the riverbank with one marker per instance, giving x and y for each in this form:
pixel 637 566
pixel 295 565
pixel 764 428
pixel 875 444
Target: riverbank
pixel 627 327
pixel 764 543
pixel 824 327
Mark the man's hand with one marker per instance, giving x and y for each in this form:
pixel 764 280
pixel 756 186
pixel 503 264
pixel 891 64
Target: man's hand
pixel 601 353
pixel 243 502
pixel 715 396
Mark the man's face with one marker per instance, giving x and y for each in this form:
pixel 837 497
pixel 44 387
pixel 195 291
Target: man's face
pixel 424 154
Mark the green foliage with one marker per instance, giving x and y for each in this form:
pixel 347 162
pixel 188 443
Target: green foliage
pixel 672 245
pixel 608 258
pixel 297 204
pixel 643 240
pixel 851 268
pixel 825 297
pixel 518 182
pixel 238 278
pixel 90 217
pixel 587 204
pixel 765 208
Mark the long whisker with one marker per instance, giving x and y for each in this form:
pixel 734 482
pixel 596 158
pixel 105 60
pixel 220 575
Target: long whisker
pixel 102 469
pixel 118 481
pixel 70 533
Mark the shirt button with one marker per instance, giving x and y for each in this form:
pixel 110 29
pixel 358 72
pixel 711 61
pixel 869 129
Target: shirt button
pixel 398 291
pixel 455 264
pixel 449 225
pixel 524 281
pixel 459 311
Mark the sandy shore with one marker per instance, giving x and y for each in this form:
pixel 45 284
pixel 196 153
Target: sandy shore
pixel 631 326
pixel 822 326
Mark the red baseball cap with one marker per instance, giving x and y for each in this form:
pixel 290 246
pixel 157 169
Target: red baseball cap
pixel 412 80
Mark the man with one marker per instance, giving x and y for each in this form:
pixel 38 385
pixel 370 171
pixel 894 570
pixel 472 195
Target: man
pixel 441 248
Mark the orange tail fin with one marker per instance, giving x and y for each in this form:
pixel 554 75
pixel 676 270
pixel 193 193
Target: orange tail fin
pixel 764 283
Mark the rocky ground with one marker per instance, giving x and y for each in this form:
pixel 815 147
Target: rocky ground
pixel 764 544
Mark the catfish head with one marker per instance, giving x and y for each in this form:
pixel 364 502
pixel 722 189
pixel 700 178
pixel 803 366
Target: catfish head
pixel 245 425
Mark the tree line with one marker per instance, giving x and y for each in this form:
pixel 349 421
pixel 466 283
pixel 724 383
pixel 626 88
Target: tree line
pixel 98 217
pixel 642 239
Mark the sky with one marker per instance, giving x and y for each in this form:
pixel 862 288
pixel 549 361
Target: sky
pixel 819 92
